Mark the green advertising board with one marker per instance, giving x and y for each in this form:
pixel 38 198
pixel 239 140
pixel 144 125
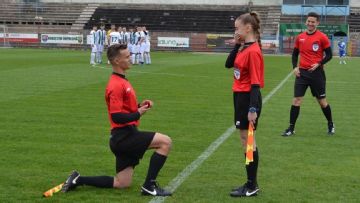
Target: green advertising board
pixel 293 29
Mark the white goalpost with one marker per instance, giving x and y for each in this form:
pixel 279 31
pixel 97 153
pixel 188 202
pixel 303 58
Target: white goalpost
pixel 4 43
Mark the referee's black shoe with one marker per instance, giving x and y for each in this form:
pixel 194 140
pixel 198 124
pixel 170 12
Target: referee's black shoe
pixel 245 191
pixel 331 128
pixel 288 132
pixel 154 189
pixel 70 182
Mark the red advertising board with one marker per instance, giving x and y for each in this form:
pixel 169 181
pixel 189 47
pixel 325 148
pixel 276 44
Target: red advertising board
pixel 19 38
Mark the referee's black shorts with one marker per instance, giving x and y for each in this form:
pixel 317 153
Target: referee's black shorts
pixel 129 145
pixel 316 80
pixel 241 107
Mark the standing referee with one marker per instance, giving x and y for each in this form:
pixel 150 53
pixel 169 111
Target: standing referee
pixel 126 142
pixel 311 46
pixel 248 66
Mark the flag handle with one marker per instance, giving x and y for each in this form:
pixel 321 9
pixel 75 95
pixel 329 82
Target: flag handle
pixel 250 145
pixel 53 190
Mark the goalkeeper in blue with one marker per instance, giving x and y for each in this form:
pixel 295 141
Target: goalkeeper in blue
pixel 342 51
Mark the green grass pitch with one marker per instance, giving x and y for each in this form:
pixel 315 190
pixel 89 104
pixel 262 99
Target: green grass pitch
pixel 53 119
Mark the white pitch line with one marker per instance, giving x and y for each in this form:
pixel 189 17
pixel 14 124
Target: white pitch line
pixel 188 170
pixel 99 66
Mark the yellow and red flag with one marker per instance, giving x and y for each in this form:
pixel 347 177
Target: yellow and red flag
pixel 250 145
pixel 53 190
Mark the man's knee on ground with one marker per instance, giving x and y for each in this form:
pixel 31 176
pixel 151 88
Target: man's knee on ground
pixel 121 184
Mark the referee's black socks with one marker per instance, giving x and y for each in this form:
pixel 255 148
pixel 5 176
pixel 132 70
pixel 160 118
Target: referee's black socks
pixel 251 170
pixel 156 163
pixel 327 113
pixel 294 113
pixel 97 181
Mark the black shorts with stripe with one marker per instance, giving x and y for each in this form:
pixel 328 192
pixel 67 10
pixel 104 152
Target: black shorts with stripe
pixel 241 107
pixel 129 145
pixel 316 80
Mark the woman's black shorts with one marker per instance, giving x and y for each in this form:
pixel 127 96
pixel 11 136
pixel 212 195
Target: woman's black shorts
pixel 241 107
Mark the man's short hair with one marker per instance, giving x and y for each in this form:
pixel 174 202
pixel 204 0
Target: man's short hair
pixel 114 51
pixel 315 15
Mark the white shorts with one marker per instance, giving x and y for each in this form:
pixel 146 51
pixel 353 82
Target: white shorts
pixel 147 46
pixel 142 47
pixel 130 47
pixel 93 48
pixel 113 44
pixel 100 48
pixel 136 48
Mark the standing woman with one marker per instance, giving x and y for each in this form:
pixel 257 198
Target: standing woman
pixel 248 66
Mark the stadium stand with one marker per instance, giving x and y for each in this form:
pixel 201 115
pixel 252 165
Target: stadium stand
pixel 45 16
pixel 193 21
pixel 185 18
pixel 354 19
pixel 270 18
pixel 84 16
pixel 168 17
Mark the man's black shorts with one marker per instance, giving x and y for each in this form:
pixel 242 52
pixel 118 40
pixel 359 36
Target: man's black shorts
pixel 316 80
pixel 241 107
pixel 129 145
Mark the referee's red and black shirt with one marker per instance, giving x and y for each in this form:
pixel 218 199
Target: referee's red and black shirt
pixel 248 69
pixel 120 98
pixel 311 48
